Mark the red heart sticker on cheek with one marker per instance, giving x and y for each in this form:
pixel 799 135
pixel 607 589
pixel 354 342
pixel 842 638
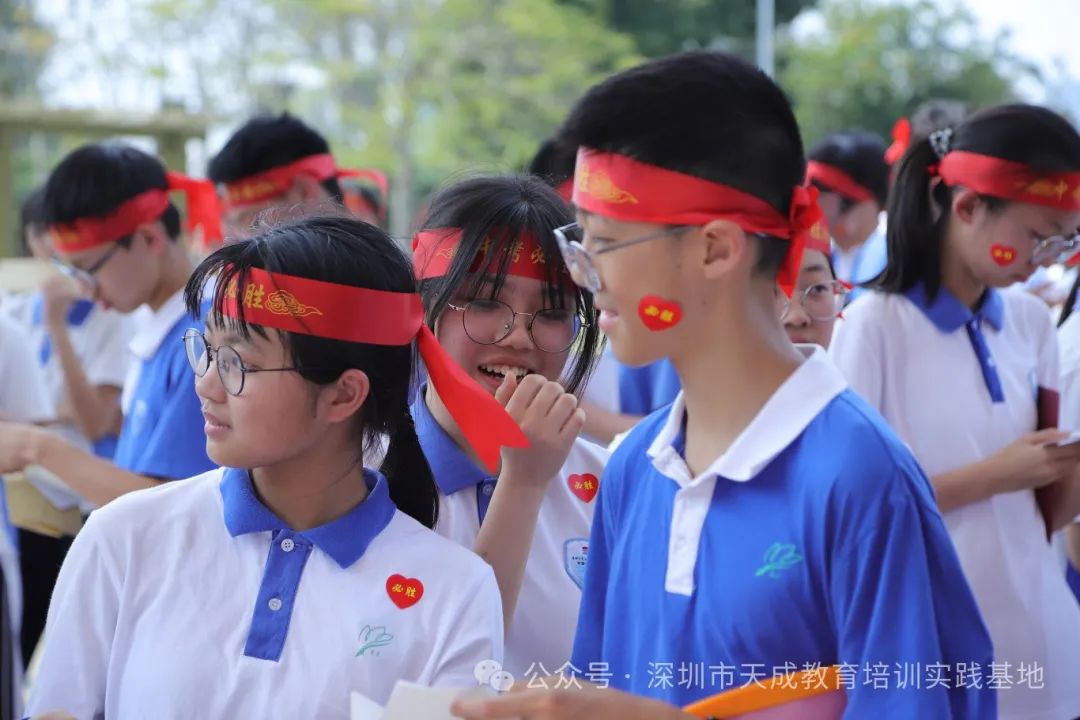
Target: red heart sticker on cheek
pixel 404 592
pixel 584 486
pixel 659 314
pixel 1003 255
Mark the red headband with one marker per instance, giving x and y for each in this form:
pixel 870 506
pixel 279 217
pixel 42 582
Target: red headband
pixel 565 189
pixel 376 317
pixel 203 216
pixel 1010 180
pixel 901 136
pixel 434 250
pixel 836 180
pixel 625 189
pixel 264 186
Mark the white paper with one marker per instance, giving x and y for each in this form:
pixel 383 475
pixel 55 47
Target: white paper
pixel 363 708
pixel 409 701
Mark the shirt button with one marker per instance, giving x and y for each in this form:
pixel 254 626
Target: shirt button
pixel 287 545
pixel 488 488
pixel 274 604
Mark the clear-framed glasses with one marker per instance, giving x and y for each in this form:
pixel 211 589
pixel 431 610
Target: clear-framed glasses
pixel 580 261
pixel 86 276
pixel 821 301
pixel 231 369
pixel 487 322
pixel 1052 248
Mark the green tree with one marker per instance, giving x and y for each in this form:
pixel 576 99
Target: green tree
pixel 871 63
pixel 662 27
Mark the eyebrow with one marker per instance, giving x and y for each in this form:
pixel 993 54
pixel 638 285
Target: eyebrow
pixel 816 268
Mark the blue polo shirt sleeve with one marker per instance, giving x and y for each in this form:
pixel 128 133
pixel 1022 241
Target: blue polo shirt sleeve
pixel 902 608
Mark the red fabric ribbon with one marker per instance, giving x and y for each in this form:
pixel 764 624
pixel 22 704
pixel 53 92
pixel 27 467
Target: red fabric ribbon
pixel 625 189
pixel 376 317
pixel 434 252
pixel 565 189
pixel 203 216
pixel 901 140
pixel 259 188
pixel 836 180
pixel 1009 180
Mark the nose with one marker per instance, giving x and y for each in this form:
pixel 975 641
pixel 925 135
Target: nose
pixel 519 339
pixel 209 386
pixel 796 316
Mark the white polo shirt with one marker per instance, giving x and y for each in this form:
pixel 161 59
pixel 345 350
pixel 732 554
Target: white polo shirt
pixel 542 631
pixel 917 362
pixel 1069 338
pixel 193 600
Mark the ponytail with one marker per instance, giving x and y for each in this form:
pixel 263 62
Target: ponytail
pixel 918 217
pixel 411 482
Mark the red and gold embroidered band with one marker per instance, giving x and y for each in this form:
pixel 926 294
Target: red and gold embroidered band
pixel 901 139
pixel 836 180
pixel 359 315
pixel 203 216
pixel 1010 180
pixel 434 251
pixel 625 189
pixel 269 184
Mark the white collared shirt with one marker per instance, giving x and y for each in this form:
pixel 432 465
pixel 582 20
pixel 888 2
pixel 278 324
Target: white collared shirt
pixel 192 600
pixel 916 362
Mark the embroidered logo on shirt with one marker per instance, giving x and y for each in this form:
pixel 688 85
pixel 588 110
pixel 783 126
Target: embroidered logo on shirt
pixel 779 557
pixel 584 486
pixel 575 553
pixel 404 592
pixel 372 638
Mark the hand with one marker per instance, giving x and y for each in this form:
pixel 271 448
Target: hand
pixel 19 444
pixel 59 293
pixel 586 703
pixel 551 419
pixel 1031 462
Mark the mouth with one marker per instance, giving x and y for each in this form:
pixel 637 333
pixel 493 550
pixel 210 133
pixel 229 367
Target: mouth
pixel 501 371
pixel 213 422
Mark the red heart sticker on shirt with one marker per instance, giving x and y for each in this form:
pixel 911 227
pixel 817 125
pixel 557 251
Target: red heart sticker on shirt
pixel 1002 254
pixel 659 314
pixel 405 592
pixel 584 486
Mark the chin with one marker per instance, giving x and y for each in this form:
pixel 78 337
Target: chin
pixel 635 352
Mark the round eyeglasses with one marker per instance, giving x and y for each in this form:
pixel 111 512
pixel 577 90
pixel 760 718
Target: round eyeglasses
pixel 231 369
pixel 1051 248
pixel 821 301
pixel 487 322
pixel 579 261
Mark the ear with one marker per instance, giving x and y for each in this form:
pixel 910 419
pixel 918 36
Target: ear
pixel 154 235
pixel 343 399
pixel 726 247
pixel 965 203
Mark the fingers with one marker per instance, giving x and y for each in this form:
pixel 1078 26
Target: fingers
pixel 523 396
pixel 1066 454
pixel 1049 435
pixel 506 390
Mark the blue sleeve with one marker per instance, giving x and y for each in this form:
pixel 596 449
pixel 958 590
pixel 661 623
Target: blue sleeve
pixel 176 447
pixel 900 598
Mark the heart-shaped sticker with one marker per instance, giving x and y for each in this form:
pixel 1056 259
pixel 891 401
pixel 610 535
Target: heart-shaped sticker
pixel 404 592
pixel 659 314
pixel 1003 255
pixel 584 486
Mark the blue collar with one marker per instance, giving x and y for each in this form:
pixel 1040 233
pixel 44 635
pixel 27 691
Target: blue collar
pixel 949 314
pixel 80 310
pixel 453 469
pixel 344 539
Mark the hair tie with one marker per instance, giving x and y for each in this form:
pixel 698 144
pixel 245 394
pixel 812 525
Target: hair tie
pixel 941 141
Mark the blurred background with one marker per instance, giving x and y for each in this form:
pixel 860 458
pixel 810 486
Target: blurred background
pixel 426 89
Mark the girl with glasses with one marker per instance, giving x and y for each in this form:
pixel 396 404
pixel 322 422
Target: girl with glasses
pixel 499 298
pixel 811 312
pixel 969 375
pixel 293 575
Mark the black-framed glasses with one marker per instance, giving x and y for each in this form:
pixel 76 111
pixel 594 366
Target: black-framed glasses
pixel 580 261
pixel 1053 247
pixel 86 276
pixel 231 369
pixel 821 301
pixel 487 322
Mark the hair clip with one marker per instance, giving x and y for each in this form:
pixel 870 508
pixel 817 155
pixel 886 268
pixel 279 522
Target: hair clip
pixel 941 141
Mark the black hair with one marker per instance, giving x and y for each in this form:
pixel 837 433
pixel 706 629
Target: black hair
pixel 344 251
pixel 31 216
pixel 706 114
pixel 95 179
pixel 861 155
pixel 1034 136
pixel 266 142
pixel 505 209
pixel 937 114
pixel 554 162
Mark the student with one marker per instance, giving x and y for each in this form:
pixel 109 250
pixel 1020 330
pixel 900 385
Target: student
pixel 810 314
pixel 80 349
pixel 115 230
pixel 769 518
pixel 299 573
pixel 850 172
pixel 967 375
pixel 273 161
pixel 499 298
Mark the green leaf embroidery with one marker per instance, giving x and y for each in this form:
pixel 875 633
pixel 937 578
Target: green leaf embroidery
pixel 780 556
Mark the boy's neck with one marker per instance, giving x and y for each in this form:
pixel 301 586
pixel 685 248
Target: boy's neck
pixel 176 268
pixel 728 377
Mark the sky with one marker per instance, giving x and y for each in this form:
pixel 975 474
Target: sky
pixel 1044 31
